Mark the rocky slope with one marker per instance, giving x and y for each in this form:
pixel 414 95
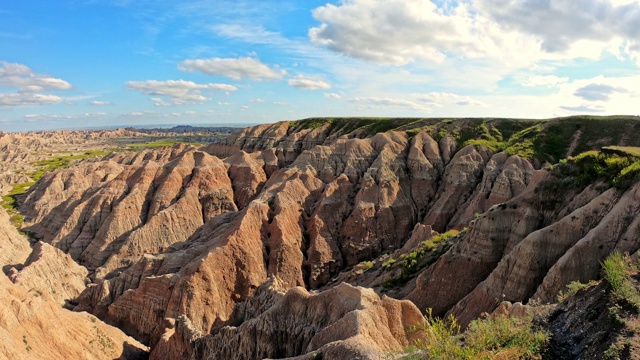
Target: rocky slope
pixel 33 324
pixel 199 234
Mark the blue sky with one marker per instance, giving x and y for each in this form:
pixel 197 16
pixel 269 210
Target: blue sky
pixel 72 63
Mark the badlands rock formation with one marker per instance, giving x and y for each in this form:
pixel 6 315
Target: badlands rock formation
pixel 329 208
pixel 33 324
pixel 199 253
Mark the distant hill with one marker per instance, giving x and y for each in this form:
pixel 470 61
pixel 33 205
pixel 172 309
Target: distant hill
pixel 185 129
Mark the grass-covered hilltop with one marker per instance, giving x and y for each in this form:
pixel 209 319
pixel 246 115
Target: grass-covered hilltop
pixel 548 140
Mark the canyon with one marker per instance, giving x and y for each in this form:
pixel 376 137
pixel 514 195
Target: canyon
pixel 318 238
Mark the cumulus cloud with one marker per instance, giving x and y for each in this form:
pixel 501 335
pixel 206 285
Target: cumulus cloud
pixel 517 33
pixel 597 92
pixel 176 92
pixel 100 103
pixel 332 96
pixel 544 80
pixel 584 108
pixel 237 69
pixel 305 83
pixel 26 99
pixel 390 102
pixel 442 99
pixel 561 23
pixel 403 31
pixel 29 86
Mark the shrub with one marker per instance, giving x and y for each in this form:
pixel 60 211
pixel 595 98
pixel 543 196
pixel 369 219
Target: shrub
pixel 572 288
pixel 515 338
pixel 617 271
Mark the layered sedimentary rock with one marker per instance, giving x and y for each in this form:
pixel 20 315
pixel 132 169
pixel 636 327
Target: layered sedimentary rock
pixel 34 326
pixel 50 270
pixel 333 206
pixel 343 322
pixel 14 248
pixel 108 214
pixel 179 240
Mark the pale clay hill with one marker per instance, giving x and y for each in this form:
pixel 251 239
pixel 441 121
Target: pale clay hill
pixel 33 324
pixel 239 249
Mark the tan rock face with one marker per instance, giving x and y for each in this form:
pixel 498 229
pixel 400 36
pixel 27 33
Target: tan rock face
pixel 113 214
pixel 199 236
pixel 14 248
pixel 518 251
pixel 178 232
pixel 344 320
pixel 50 270
pixel 34 326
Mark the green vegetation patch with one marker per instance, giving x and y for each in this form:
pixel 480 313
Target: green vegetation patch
pixel 10 201
pixel 618 270
pixel 623 150
pixel 156 144
pixel 500 337
pixel 573 287
pixel 591 166
pixel 422 256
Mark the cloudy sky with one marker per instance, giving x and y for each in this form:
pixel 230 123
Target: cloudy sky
pixel 74 63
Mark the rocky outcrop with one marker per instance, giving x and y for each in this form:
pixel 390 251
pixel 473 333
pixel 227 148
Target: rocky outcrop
pixel 510 253
pixel 50 270
pixel 107 215
pixel 34 326
pixel 179 232
pixel 182 244
pixel 14 248
pixel 344 321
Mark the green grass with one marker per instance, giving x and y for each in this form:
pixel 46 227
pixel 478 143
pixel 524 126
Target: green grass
pixel 425 254
pixel 156 144
pixel 500 337
pixel 411 262
pixel 61 162
pixel 624 150
pixel 572 288
pixel 617 270
pixel 10 200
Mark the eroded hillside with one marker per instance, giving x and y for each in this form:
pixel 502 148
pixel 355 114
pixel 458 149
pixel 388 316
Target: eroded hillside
pixel 193 251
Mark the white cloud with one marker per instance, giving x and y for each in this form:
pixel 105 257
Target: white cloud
pixel 21 77
pixel 442 99
pixel 332 96
pixel 584 108
pixel 305 83
pixel 26 99
pixel 176 92
pixel 59 117
pixel 100 103
pixel 29 86
pixel 598 92
pixel 561 24
pixel 391 102
pixel 256 100
pixel 544 80
pixel 514 33
pixel 237 69
pixel 403 31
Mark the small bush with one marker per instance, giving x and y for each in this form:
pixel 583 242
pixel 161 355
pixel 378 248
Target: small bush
pixel 485 339
pixel 617 271
pixel 572 288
